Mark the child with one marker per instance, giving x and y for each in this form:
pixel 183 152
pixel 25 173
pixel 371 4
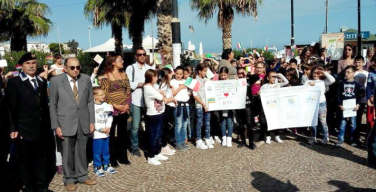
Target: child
pixel 361 77
pixel 348 89
pixel 225 116
pixel 244 115
pixel 181 112
pixel 272 84
pixel 203 115
pixel 371 84
pixel 306 72
pixel 190 130
pixel 168 117
pixel 103 121
pixel 292 77
pixel 320 78
pixel 154 101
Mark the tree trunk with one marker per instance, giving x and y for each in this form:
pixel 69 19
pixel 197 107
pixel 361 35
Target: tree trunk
pixel 117 34
pixel 136 29
pixel 18 41
pixel 164 30
pixel 226 36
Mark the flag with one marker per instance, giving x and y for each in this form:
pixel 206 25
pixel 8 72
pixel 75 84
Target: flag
pixel 49 60
pixel 239 45
pixel 266 48
pixel 192 84
pixel 18 67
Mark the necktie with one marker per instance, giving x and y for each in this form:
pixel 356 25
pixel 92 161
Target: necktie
pixel 35 85
pixel 75 91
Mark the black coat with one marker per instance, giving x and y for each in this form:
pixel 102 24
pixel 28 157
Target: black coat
pixel 29 111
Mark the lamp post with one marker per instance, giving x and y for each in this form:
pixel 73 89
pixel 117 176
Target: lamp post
pixel 359 44
pixel 89 27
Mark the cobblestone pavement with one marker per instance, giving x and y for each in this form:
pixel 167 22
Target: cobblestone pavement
pixel 290 166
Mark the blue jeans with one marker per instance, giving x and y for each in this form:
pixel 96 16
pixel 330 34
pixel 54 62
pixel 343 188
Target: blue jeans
pixel 181 125
pixel 201 116
pixel 227 122
pixel 322 121
pixel 101 151
pixel 342 128
pixel 136 120
pixel 154 125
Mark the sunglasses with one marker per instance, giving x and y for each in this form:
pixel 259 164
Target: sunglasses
pixel 74 67
pixel 141 54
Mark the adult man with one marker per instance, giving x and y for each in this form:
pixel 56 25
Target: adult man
pixel 136 76
pixel 72 117
pixel 30 126
pixel 227 57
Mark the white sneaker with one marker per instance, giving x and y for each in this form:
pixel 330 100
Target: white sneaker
pixel 143 126
pixel 312 140
pixel 209 143
pixel 217 139
pixel 201 145
pixel 268 140
pixel 161 157
pixel 278 139
pixel 229 142
pixel 224 139
pixel 153 161
pixel 167 151
pixel 212 140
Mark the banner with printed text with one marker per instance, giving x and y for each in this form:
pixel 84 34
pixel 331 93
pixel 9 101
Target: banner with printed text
pixel 226 95
pixel 291 107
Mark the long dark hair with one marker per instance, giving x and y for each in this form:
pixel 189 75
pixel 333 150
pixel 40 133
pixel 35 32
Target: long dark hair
pixel 109 67
pixel 164 77
pixel 223 69
pixel 200 67
pixel 294 77
pixel 344 52
pixel 317 67
pixel 303 55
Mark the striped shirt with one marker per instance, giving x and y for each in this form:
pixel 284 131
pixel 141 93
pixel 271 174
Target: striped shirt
pixel 118 91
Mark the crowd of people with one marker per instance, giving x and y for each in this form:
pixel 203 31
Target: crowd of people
pixel 59 119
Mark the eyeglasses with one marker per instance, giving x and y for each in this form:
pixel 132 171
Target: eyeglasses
pixel 75 67
pixel 141 54
pixel 32 63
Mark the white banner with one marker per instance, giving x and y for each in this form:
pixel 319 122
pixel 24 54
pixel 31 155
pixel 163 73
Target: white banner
pixel 291 107
pixel 225 95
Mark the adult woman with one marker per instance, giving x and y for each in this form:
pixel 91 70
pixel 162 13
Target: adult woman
pixel 346 59
pixel 322 55
pixel 370 57
pixel 116 85
pixel 305 56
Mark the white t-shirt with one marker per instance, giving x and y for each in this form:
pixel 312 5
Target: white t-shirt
pixel 153 100
pixel 183 94
pixel 58 70
pixel 103 119
pixel 322 84
pixel 168 91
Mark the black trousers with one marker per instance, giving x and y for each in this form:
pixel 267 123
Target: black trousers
pixel 168 125
pixel 118 145
pixel 244 117
pixel 215 128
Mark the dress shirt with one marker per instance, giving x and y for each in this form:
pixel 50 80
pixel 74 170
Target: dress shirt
pixel 71 83
pixel 139 77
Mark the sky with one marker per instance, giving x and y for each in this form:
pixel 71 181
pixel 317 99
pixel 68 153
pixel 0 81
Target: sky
pixel 272 26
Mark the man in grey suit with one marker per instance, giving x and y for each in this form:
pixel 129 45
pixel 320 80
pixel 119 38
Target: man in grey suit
pixel 72 117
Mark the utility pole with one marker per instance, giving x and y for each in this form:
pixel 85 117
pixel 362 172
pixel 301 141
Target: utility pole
pixel 292 23
pixel 327 10
pixel 58 33
pixel 359 32
pixel 176 35
pixel 89 27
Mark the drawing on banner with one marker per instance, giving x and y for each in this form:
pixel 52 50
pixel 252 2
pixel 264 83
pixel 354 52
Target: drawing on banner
pixel 334 43
pixel 225 95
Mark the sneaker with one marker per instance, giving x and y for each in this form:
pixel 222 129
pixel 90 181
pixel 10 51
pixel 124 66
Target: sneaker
pixel 339 144
pixel 201 145
pixel 143 126
pixel 325 141
pixel 172 150
pixel 224 139
pixel 181 147
pixel 153 161
pixel 108 169
pixel 278 139
pixel 241 144
pixel 268 140
pixel 209 143
pixel 136 153
pixel 167 151
pixel 312 140
pixel 212 140
pixel 354 144
pixel 99 172
pixel 90 164
pixel 217 139
pixel 161 157
pixel 252 145
pixel 187 146
pixel 229 142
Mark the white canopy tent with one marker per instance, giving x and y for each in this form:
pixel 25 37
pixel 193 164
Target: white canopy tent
pixel 108 46
pixel 147 42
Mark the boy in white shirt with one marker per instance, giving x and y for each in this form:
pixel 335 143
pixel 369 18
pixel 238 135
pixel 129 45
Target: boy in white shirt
pixel 103 121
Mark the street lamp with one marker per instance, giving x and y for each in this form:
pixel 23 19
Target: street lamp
pixel 89 27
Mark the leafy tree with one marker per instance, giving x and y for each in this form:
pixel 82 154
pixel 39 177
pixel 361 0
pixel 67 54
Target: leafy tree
pixel 73 45
pixel 54 48
pixel 22 18
pixel 226 11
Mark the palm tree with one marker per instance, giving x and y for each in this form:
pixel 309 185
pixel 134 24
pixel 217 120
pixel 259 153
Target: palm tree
pixel 109 12
pixel 226 11
pixel 140 12
pixel 22 18
pixel 164 16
